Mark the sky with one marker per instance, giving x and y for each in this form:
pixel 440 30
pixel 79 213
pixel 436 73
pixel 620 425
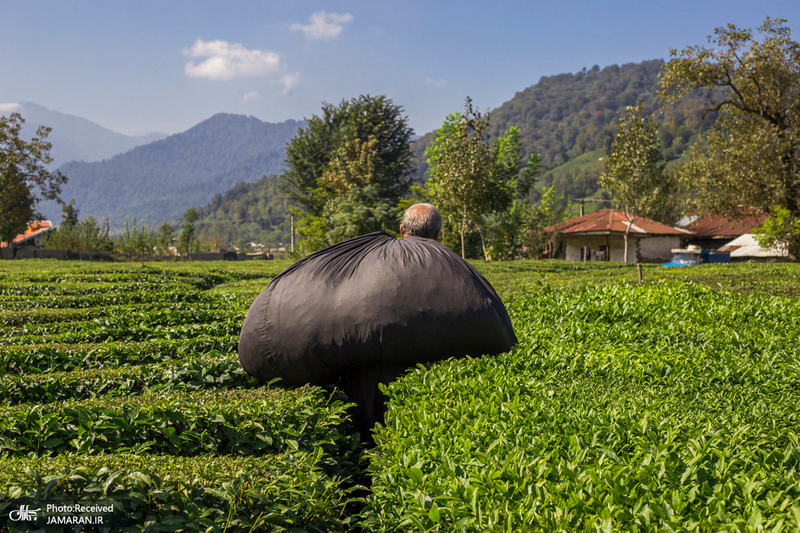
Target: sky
pixel 144 66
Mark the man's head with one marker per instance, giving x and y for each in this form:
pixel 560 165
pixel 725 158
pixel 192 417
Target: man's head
pixel 421 220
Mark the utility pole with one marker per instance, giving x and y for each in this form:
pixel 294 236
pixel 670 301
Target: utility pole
pixel 291 223
pixel 597 200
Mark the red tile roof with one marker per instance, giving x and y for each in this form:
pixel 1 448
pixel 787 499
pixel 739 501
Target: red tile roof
pixel 34 228
pixel 613 221
pixel 710 226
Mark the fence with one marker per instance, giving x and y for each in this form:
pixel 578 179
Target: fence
pixel 32 252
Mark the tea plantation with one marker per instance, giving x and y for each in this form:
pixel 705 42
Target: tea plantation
pixel 666 406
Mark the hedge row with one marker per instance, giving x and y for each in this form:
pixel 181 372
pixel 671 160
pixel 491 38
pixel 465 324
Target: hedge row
pixel 38 358
pixel 211 371
pixel 282 492
pixel 668 407
pixel 227 422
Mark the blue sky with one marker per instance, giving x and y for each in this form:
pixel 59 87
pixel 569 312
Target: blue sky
pixel 145 66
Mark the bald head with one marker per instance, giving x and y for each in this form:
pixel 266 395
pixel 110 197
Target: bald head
pixel 421 220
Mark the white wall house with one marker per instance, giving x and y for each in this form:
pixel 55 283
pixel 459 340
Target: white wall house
pixel 601 236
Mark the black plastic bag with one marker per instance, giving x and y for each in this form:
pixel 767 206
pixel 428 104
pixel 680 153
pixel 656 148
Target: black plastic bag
pixel 370 301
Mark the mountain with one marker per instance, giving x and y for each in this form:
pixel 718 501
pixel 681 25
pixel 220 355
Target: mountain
pixel 160 180
pixel 571 119
pixel 74 138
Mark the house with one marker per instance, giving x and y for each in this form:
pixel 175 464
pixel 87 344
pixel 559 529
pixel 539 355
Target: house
pixel 710 232
pixel 734 235
pixel 746 247
pixel 601 236
pixel 33 236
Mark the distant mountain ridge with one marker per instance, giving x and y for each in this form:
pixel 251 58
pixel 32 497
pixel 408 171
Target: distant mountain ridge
pixel 160 180
pixel 77 139
pixel 570 119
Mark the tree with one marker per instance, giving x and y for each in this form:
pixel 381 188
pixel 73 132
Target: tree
pixel 469 177
pixel 78 236
pixel 778 230
pixel 164 239
pixel 187 241
pixel 635 170
pixel 361 210
pixel 24 177
pixel 137 240
pixel 751 157
pixel 69 215
pixel 505 230
pixel 357 151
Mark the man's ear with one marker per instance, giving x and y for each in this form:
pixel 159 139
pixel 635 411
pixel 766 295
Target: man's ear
pixel 436 236
pixel 401 232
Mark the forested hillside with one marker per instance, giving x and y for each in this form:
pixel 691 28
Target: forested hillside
pixel 248 212
pixel 159 181
pixel 570 119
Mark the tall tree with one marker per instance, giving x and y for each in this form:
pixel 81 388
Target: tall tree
pixel 69 215
pixel 187 242
pixel 135 240
pixel 635 170
pixel 164 239
pixel 751 157
pixel 471 177
pixel 360 143
pixel 24 177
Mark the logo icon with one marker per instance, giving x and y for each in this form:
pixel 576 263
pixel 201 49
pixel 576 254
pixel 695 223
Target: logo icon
pixel 23 513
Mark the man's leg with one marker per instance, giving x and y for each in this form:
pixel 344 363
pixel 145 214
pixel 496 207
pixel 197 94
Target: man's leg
pixel 361 387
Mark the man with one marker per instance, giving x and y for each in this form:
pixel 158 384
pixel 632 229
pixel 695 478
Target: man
pixel 363 311
pixel 363 386
pixel 421 220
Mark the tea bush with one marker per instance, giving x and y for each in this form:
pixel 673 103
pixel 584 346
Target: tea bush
pixel 670 406
pixel 121 381
pixel 662 407
pixel 283 492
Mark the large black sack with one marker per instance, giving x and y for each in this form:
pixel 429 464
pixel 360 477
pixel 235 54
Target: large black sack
pixel 368 301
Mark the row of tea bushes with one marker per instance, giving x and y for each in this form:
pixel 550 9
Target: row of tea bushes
pixel 279 492
pixel 668 407
pixel 208 371
pixel 121 382
pixel 23 359
pixel 662 407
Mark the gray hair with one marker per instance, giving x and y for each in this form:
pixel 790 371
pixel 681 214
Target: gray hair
pixel 422 220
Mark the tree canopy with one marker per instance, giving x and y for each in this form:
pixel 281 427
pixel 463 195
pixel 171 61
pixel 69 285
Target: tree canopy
pixel 78 235
pixel 751 157
pixel 635 170
pixel 25 179
pixel 470 177
pixel 342 164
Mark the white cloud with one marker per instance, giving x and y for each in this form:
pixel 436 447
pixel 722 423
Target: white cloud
pixel 323 25
pixel 225 61
pixel 435 82
pixel 252 95
pixel 289 81
pixel 10 107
